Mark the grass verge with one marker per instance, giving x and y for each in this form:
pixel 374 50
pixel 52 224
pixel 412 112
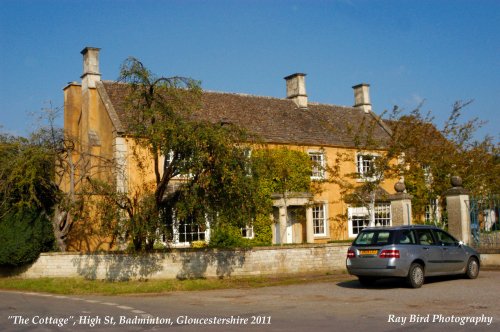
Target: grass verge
pixel 78 286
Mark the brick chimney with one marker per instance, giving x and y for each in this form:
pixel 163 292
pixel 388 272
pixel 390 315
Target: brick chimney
pixel 362 97
pixel 91 72
pixel 296 89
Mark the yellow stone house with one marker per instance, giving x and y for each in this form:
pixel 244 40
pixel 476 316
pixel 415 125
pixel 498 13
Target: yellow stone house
pixel 94 113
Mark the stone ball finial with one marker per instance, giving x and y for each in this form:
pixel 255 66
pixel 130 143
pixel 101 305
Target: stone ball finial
pixel 456 181
pixel 399 187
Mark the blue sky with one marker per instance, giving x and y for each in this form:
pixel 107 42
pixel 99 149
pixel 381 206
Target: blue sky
pixel 408 50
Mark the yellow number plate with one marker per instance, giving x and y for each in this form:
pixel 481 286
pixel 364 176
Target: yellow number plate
pixel 368 252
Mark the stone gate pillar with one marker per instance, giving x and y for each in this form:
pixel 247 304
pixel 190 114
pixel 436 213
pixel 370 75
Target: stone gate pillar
pixel 400 205
pixel 457 199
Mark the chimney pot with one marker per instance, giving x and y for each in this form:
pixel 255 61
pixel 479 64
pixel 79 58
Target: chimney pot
pixel 362 97
pixel 296 89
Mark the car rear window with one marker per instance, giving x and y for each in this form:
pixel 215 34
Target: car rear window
pixel 374 238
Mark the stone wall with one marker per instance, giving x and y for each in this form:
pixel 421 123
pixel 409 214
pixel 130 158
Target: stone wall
pixel 189 263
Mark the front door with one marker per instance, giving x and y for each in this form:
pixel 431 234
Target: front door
pixel 295 226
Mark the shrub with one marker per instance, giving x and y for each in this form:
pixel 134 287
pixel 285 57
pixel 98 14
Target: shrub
pixel 24 234
pixel 262 231
pixel 227 237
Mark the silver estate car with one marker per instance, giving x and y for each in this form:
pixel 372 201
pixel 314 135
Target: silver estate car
pixel 412 252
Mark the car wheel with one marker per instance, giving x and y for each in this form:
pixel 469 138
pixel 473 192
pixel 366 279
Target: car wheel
pixel 367 281
pixel 472 269
pixel 415 276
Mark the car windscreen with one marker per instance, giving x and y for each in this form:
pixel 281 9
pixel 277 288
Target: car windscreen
pixel 374 238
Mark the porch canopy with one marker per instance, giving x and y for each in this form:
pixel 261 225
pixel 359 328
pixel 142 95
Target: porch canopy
pixel 290 227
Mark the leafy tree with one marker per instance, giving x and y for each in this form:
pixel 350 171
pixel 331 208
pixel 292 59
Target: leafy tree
pixel 422 154
pixel 27 175
pixel 281 169
pixel 199 171
pixel 277 170
pixel 362 189
pixel 430 156
pixel 27 197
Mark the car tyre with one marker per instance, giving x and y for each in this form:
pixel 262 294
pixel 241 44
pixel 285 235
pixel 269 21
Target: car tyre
pixel 472 268
pixel 415 276
pixel 367 281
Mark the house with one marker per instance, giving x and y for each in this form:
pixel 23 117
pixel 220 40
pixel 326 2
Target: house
pixel 94 112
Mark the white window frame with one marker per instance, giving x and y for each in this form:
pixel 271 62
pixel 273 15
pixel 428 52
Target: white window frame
pixel 432 211
pixel 177 233
pixel 167 159
pixel 358 213
pixel 195 232
pixel 427 174
pixel 247 151
pixel 319 219
pixel 318 167
pixel 362 169
pixel 247 232
pixel 383 217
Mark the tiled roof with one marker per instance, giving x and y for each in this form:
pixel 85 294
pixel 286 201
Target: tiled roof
pixel 272 120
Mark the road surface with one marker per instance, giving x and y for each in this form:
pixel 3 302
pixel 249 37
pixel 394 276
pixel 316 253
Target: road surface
pixel 442 303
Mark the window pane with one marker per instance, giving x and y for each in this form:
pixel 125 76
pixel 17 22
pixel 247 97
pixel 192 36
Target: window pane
pixel 425 237
pixel 247 232
pixel 358 223
pixel 365 238
pixel 407 237
pixel 319 220
pixel 365 164
pixel 375 238
pixel 383 238
pixel 445 239
pixel 383 214
pixel 318 167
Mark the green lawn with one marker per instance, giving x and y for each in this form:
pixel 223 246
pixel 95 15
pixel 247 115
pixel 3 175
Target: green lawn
pixel 79 286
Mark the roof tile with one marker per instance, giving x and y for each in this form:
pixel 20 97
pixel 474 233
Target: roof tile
pixel 273 120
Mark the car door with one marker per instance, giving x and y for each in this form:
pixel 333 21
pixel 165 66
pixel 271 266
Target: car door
pixel 430 252
pixel 454 256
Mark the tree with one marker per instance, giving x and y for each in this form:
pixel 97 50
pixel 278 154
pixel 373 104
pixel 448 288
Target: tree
pixel 199 171
pixel 422 155
pixel 28 194
pixel 362 187
pixel 280 171
pixel 27 175
pixel 273 171
pixel 432 155
pixel 31 172
pixel 50 158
